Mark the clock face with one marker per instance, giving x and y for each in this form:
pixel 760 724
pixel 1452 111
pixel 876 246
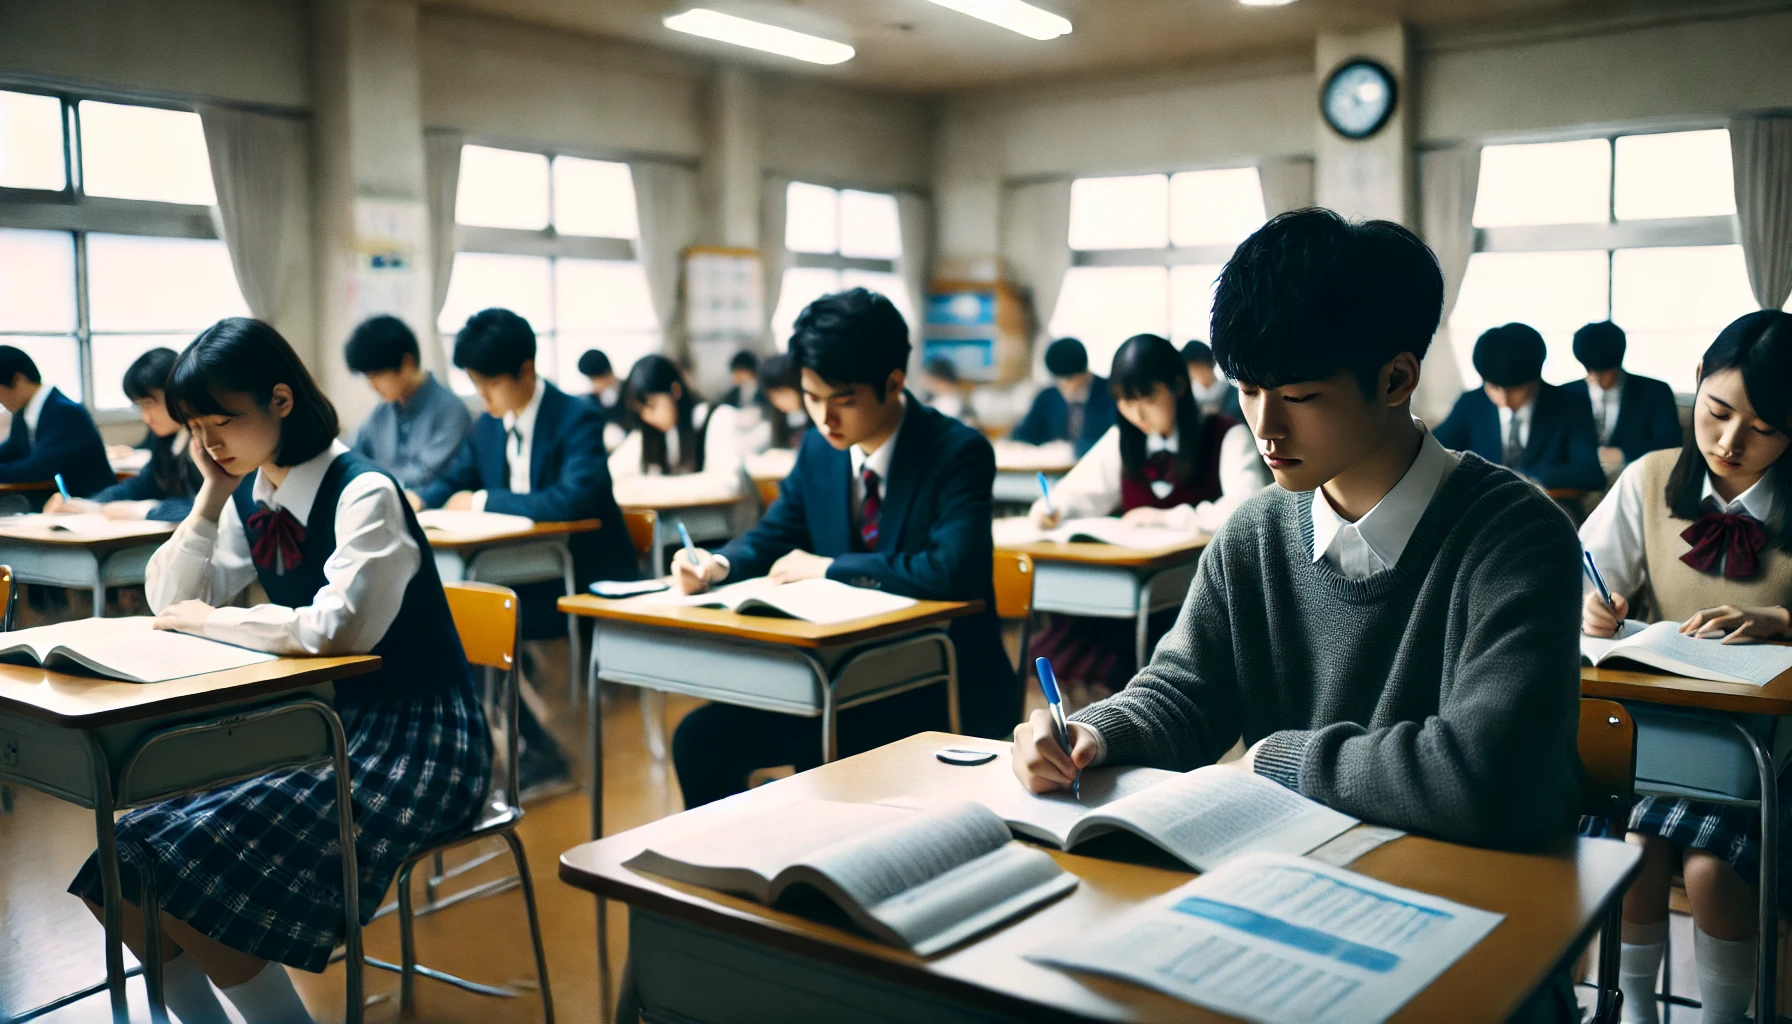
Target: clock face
pixel 1358 99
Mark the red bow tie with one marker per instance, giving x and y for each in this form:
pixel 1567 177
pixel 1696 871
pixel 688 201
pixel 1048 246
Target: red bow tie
pixel 1159 465
pixel 276 540
pixel 1736 539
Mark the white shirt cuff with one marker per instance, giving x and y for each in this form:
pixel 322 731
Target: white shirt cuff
pixel 479 501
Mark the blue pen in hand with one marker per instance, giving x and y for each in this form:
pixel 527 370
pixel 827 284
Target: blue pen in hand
pixel 1045 491
pixel 1591 569
pixel 60 486
pixel 690 550
pixel 1048 681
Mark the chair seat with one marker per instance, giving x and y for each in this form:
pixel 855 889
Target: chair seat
pixel 1688 754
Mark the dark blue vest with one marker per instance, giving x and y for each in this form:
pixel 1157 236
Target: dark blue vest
pixel 421 650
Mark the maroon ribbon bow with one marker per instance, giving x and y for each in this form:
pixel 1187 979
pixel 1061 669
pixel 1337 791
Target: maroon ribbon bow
pixel 277 541
pixel 1720 534
pixel 1159 466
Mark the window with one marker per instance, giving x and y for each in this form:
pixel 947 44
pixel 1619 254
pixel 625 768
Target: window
pixel 106 246
pixel 552 238
pixel 1636 228
pixel 839 239
pixel 1146 250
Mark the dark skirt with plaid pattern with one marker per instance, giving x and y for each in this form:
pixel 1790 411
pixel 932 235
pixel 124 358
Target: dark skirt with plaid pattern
pixel 256 866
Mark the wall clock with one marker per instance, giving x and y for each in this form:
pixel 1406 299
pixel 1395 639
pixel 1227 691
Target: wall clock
pixel 1358 98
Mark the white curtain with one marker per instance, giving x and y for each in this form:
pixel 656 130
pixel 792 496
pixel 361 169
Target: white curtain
pixel 441 172
pixel 1287 184
pixel 666 205
pixel 1448 179
pixel 773 255
pixel 1761 153
pixel 914 216
pixel 1036 248
pixel 258 167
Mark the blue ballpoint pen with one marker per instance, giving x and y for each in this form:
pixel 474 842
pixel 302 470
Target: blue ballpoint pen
pixel 1592 571
pixel 690 550
pixel 60 486
pixel 1045 491
pixel 1048 681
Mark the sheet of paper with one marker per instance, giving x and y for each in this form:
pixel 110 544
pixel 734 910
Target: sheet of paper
pixel 771 464
pixel 1276 939
pixel 464 523
pixel 692 489
pixel 1344 850
pixel 1014 530
pixel 1756 664
pixel 1054 456
pixel 86 525
pixel 1215 813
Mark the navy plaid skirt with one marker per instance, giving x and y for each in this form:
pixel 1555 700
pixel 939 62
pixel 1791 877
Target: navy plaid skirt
pixel 1732 833
pixel 257 865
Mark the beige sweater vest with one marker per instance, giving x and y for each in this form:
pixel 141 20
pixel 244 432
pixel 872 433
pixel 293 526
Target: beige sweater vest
pixel 1676 590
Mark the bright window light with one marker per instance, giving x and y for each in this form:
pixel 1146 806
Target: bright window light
pixel 1554 292
pixel 141 284
pixel 1104 306
pixel 131 152
pixel 594 197
pixel 502 188
pixel 1215 207
pixel 1545 183
pixel 869 226
pixel 37 281
pixel 726 28
pixel 812 218
pixel 31 141
pixel 1013 15
pixel 1120 213
pixel 1674 174
pixel 1191 301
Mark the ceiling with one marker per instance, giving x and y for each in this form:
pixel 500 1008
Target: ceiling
pixel 916 46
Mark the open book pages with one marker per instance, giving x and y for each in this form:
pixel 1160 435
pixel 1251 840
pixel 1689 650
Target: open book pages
pixel 921 879
pixel 823 602
pixel 463 523
pixel 1282 940
pixel 128 649
pixel 690 489
pixel 1095 530
pixel 1662 646
pixel 85 525
pixel 1051 457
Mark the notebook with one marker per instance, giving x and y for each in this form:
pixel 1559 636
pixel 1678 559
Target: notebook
pixel 464 523
pixel 1661 646
pixel 924 880
pixel 85 525
pixel 823 602
pixel 127 649
pixel 1093 530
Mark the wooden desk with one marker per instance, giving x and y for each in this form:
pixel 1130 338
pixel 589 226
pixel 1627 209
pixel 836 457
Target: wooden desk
pixel 1111 582
pixel 28 488
pixel 57 559
pixel 706 518
pixel 765 964
pixel 73 736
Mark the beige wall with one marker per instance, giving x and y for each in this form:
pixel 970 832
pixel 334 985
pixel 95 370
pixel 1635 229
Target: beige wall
pixel 831 134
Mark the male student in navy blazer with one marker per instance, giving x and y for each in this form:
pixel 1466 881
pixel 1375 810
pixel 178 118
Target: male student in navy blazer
pixel 1516 420
pixel 1633 415
pixel 886 494
pixel 1076 408
pixel 51 433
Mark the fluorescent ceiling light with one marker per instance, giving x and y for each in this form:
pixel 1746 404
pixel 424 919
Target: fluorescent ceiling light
pixel 1013 15
pixel 701 21
pixel 1265 3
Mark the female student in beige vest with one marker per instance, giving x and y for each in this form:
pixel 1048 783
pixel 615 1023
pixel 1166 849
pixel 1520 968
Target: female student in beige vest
pixel 1699 535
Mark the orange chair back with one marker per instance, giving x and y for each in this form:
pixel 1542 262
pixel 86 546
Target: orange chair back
pixel 9 598
pixel 1607 745
pixel 485 616
pixel 1014 585
pixel 641 524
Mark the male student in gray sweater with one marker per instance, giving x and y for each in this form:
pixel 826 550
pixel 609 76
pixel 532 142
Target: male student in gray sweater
pixel 1392 631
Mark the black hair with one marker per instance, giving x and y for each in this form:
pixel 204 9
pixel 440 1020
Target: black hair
pixel 1510 355
pixel 1143 362
pixel 656 375
pixel 1759 344
pixel 1197 353
pixel 380 343
pixel 744 360
pixel 1600 346
pixel 1066 357
pixel 494 342
pixel 148 372
pixel 943 368
pixel 1310 294
pixel 851 337
pixel 14 361
pixel 595 364
pixel 238 355
pixel 779 371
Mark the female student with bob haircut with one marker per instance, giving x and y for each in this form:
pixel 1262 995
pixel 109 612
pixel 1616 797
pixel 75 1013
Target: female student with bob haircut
pixel 675 434
pixel 1697 535
pixel 1163 464
pixel 162 490
pixel 248 873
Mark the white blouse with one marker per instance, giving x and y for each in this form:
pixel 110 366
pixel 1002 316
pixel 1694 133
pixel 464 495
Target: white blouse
pixel 364 579
pixel 1092 487
pixel 724 460
pixel 1613 533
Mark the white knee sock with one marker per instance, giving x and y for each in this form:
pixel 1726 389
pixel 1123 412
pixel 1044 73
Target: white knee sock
pixel 189 995
pixel 1639 963
pixel 268 998
pixel 1726 977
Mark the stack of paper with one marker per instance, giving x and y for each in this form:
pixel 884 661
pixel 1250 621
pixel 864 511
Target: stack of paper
pixel 823 602
pixel 457 524
pixel 1094 530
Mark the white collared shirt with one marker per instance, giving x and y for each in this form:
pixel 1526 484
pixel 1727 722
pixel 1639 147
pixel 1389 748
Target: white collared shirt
pixel 364 579
pixel 1092 487
pixel 519 449
pixel 1375 542
pixel 35 409
pixel 721 478
pixel 1613 533
pixel 878 461
pixel 1605 405
pixel 1523 415
pixel 1210 397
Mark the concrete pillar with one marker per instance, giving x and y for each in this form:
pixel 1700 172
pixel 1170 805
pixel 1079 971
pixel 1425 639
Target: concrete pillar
pixel 733 167
pixel 1373 177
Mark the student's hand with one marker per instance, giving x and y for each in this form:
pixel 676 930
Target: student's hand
pixel 1145 515
pixel 186 616
pixel 1610 458
pixel 695 579
pixel 126 510
pixel 459 501
pixel 1248 762
pixel 1739 625
pixel 1597 620
pixel 1044 518
pixel 119 451
pixel 415 499
pixel 799 565
pixel 214 492
pixel 1040 764
pixel 57 504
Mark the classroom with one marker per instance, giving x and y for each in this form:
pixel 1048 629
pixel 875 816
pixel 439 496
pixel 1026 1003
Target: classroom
pixel 895 510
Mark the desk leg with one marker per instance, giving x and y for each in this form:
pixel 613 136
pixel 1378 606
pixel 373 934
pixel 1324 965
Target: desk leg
pixel 570 579
pixel 106 838
pixel 1767 928
pixel 594 750
pixel 1142 630
pixel 658 554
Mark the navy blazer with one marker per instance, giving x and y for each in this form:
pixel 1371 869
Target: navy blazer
pixel 66 442
pixel 1049 418
pixel 933 543
pixel 1648 416
pixel 1561 451
pixel 569 478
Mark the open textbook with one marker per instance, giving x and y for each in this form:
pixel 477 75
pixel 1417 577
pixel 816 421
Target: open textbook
pixel 922 879
pixel 1094 529
pixel 823 602
pixel 128 649
pixel 83 525
pixel 1282 940
pixel 1203 817
pixel 1662 646
pixel 464 523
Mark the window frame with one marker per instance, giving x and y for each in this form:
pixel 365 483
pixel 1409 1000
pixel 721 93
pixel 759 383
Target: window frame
pixel 833 260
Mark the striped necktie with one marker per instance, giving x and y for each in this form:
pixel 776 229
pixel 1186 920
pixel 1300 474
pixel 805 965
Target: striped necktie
pixel 870 510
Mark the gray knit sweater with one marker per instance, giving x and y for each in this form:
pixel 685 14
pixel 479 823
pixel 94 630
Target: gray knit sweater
pixel 1440 696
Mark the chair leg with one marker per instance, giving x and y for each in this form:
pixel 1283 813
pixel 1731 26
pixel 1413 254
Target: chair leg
pixel 407 947
pixel 541 958
pixel 604 1006
pixel 1606 1009
pixel 151 906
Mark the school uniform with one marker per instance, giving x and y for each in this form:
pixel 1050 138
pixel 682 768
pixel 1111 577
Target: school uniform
pixel 1637 415
pixel 1219 398
pixel 1551 440
pixel 165 485
pixel 1670 569
pixel 722 460
pixel 415 438
pixel 1052 417
pixel 255 865
pixel 1101 651
pixel 52 435
pixel 911 518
